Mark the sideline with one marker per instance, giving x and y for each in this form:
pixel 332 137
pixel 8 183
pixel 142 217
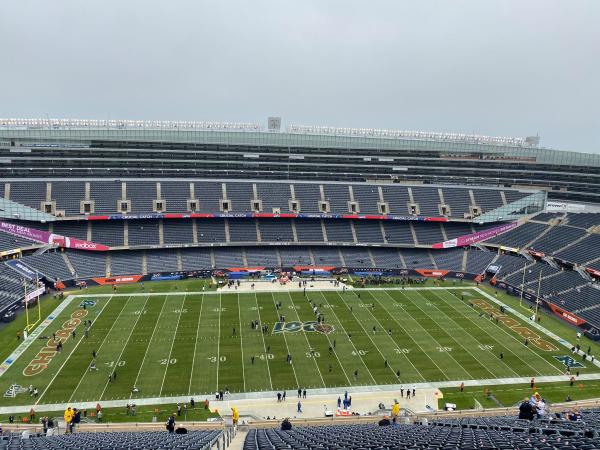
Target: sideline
pixel 271 395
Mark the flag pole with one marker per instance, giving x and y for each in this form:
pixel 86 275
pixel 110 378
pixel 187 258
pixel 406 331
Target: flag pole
pixel 537 301
pixel 522 287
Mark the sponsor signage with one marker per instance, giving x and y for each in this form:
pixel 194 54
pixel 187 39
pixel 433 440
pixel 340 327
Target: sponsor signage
pixel 565 315
pixel 31 295
pixel 432 273
pixel 266 215
pixel 564 207
pixel 15 251
pixel 45 237
pixel 118 280
pixel 472 238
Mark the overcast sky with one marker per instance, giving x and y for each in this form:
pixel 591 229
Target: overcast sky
pixel 504 67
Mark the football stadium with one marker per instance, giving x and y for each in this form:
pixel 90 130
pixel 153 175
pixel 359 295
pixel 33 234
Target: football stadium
pixel 151 267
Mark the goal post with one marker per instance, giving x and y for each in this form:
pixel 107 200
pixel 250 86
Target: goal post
pixel 30 324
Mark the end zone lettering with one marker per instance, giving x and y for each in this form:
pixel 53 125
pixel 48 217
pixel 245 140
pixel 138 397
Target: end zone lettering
pixel 45 355
pixel 516 326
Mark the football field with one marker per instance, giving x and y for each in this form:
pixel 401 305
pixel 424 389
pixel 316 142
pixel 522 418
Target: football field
pixel 193 344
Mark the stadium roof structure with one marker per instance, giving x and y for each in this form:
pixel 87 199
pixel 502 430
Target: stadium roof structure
pixel 230 133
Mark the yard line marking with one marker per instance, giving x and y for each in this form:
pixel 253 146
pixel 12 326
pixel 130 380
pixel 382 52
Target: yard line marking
pixel 285 340
pixel 369 336
pixel 431 336
pixel 391 338
pixel 195 345
pixel 72 351
pixel 465 348
pixel 148 346
pixel 531 350
pixel 450 303
pixel 405 331
pixel 263 340
pixel 335 353
pixel 350 340
pixel 172 345
pixel 241 341
pixel 307 343
pixel 101 345
pixel 128 337
pixel 218 343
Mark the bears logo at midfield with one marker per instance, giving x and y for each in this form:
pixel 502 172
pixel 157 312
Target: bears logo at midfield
pixel 293 327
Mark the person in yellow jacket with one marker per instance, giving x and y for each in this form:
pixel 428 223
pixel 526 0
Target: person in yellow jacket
pixel 396 409
pixel 68 418
pixel 235 415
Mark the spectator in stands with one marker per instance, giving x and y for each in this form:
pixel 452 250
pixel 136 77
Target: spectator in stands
pixel 68 416
pixel 171 423
pixel 385 422
pixel 286 424
pixel 526 410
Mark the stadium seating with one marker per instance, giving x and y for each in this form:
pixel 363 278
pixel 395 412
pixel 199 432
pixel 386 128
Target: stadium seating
pixel 193 440
pixel 141 194
pixel 443 435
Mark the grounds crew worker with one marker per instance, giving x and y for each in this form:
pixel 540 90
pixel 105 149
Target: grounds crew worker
pixel 235 416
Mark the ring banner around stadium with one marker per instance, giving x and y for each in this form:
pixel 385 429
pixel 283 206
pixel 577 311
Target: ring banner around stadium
pixel 472 238
pixel 44 237
pixel 266 216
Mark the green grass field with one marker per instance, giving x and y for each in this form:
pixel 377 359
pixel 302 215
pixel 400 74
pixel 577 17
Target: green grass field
pixel 184 344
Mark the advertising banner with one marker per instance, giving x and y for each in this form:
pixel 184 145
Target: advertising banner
pixel 44 237
pixel 118 280
pixel 33 294
pixel 472 238
pixel 565 315
pixel 252 215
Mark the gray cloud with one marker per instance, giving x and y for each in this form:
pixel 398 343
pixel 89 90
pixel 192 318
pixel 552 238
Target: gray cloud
pixel 507 67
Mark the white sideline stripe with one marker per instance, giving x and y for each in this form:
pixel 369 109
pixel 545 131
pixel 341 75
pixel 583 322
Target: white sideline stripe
pixel 32 337
pixel 316 391
pixel 548 333
pixel 69 357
